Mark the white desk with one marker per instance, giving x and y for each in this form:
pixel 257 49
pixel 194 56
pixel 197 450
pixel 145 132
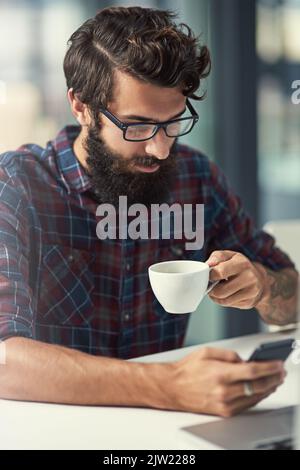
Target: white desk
pixel 45 426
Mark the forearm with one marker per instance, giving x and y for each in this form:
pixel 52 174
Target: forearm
pixel 278 304
pixel 38 371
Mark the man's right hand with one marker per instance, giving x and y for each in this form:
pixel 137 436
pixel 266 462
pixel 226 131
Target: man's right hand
pixel 207 381
pixel 212 381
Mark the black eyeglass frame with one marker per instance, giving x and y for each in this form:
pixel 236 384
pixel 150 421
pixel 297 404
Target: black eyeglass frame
pixel 159 125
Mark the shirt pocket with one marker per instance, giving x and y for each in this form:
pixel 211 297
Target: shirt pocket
pixel 66 286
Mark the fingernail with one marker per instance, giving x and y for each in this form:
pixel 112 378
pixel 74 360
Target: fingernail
pixel 213 260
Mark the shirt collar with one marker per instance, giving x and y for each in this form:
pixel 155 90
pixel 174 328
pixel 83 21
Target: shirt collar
pixel 72 172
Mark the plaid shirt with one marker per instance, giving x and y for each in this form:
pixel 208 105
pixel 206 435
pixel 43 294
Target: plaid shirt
pixel 61 284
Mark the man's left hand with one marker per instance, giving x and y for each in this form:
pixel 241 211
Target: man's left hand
pixel 241 283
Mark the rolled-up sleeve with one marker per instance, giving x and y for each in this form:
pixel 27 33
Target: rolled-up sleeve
pixel 233 228
pixel 16 312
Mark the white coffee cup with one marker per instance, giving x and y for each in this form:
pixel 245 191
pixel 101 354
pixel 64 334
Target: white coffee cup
pixel 180 285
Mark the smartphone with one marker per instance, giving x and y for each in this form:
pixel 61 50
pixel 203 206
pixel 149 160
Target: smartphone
pixel 275 351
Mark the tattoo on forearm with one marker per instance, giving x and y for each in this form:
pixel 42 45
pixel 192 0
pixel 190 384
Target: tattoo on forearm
pixel 284 284
pixel 283 297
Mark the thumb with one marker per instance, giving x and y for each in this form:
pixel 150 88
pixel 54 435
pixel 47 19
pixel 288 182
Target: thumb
pixel 224 355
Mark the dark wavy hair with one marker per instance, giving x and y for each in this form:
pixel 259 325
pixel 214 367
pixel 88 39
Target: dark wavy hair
pixel 143 42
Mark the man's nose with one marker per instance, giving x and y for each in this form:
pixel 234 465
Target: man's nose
pixel 159 145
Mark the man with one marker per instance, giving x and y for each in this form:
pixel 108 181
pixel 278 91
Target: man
pixel 73 306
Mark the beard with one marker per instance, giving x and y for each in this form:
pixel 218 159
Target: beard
pixel 112 175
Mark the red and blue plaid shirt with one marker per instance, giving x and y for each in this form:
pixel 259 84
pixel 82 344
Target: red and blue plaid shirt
pixel 61 284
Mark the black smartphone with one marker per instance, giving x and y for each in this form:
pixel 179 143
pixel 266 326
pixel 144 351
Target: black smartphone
pixel 275 351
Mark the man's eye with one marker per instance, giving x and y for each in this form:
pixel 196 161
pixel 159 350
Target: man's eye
pixel 139 129
pixel 143 128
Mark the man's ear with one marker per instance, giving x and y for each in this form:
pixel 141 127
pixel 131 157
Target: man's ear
pixel 79 109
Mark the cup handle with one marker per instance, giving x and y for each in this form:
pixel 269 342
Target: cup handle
pixel 211 285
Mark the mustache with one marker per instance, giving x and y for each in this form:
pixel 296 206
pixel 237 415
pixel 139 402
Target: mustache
pixel 147 161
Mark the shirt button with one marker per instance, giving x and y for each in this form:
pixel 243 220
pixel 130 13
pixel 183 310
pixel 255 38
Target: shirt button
pixel 70 258
pixel 128 267
pixel 176 250
pixel 127 316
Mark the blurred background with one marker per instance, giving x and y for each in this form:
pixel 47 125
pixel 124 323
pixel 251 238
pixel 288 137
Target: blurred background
pixel 248 123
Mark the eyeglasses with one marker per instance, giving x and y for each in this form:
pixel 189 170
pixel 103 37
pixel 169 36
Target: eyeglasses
pixel 141 131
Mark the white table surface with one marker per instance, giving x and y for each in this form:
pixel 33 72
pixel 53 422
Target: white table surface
pixel 45 426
